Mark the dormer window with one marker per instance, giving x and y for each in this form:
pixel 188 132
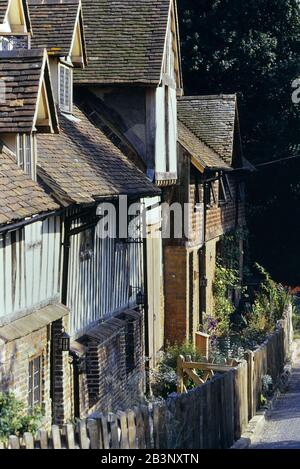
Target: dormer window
pixel 26 154
pixel 65 88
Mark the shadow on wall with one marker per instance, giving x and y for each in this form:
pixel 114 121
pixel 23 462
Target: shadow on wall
pixel 7 368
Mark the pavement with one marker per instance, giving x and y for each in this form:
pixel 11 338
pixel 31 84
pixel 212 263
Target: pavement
pixel 282 426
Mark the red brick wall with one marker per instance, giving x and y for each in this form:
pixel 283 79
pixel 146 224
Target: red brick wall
pixel 14 372
pixel 108 382
pixel 176 294
pixel 222 218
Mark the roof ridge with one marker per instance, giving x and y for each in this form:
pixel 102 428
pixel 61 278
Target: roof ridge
pixel 207 97
pixel 21 53
pixel 51 2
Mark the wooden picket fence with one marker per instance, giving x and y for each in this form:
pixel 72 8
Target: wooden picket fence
pixel 212 415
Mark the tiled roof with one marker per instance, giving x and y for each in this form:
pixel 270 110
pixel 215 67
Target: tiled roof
pixel 21 71
pixel 125 40
pixel 212 119
pixel 32 322
pixel 53 24
pixel 3 9
pixel 81 165
pixel 109 122
pixel 20 197
pixel 205 155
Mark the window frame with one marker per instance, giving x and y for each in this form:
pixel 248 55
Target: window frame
pixel 24 143
pixel 8 41
pixel 62 106
pixel 225 194
pixel 32 403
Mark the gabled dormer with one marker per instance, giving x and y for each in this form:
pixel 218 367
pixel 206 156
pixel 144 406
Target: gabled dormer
pixel 15 26
pixel 27 105
pixel 134 68
pixel 58 27
pixel 169 88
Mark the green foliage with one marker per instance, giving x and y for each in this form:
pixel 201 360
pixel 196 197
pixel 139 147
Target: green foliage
pixel 296 322
pixel 267 385
pixel 226 279
pixel 14 419
pixel 164 379
pixel 251 48
pixel 269 304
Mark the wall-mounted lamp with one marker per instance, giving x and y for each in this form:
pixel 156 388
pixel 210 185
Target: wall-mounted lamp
pixel 140 298
pixel 64 342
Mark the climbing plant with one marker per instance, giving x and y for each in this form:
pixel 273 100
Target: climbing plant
pixel 226 279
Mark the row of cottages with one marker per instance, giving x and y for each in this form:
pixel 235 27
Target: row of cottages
pixel 71 302
pixel 190 147
pixel 92 112
pixel 211 181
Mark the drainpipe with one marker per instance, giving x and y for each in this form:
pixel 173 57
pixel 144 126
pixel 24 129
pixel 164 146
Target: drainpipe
pixel 66 255
pixel 202 258
pixel 146 314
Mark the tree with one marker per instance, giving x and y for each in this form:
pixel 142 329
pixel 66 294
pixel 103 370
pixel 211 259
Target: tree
pixel 251 48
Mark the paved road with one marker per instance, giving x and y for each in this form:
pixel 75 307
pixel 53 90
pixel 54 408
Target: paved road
pixel 282 429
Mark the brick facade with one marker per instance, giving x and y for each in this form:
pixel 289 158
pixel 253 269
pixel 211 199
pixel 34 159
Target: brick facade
pixel 181 294
pixel 14 371
pixel 62 410
pixel 221 219
pixel 112 372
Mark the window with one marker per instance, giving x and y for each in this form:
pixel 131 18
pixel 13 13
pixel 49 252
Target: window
pixel 224 190
pixel 26 154
pixel 209 194
pixel 87 239
pixel 65 88
pixel 6 43
pixel 35 383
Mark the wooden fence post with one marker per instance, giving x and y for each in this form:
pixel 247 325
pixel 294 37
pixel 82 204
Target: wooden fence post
pixel 249 357
pixel 180 374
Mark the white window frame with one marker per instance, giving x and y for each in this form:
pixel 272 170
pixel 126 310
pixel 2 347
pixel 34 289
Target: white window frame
pixel 8 42
pixel 63 105
pixel 26 154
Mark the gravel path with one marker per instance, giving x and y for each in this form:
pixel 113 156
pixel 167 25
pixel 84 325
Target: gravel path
pixel 282 429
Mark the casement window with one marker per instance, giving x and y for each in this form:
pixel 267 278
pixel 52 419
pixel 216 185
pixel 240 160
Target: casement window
pixel 6 43
pixel 87 239
pixel 209 194
pixel 26 150
pixel 65 88
pixel 225 194
pixel 35 382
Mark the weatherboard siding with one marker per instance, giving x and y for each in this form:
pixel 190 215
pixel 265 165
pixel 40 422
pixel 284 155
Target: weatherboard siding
pixel 30 267
pixel 103 284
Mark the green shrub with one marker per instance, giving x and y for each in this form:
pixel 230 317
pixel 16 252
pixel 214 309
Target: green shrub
pixel 296 321
pixel 14 420
pixel 269 304
pixel 164 378
pixel 226 279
